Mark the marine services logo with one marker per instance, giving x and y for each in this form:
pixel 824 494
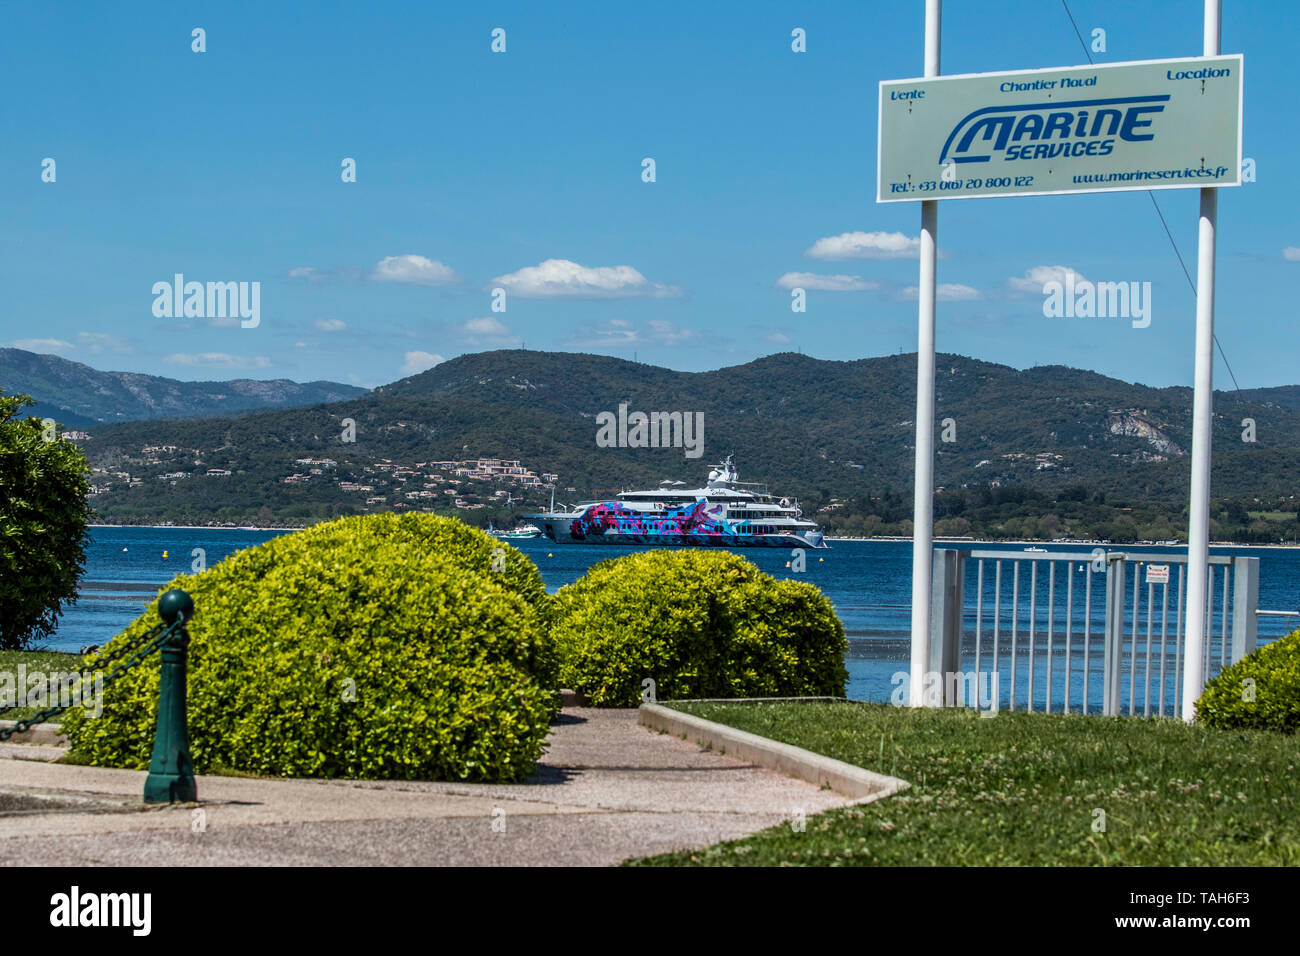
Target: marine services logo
pixel 1049 130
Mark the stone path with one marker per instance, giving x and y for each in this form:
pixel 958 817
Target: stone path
pixel 607 790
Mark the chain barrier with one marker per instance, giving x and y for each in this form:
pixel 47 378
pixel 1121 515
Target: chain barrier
pixel 103 661
pixel 139 650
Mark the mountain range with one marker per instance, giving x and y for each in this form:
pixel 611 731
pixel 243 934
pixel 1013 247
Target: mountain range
pixel 822 430
pixel 78 396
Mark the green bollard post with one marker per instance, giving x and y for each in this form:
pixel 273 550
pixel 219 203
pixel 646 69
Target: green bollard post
pixel 171 771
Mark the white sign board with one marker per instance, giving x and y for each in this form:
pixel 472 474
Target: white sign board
pixel 1155 124
pixel 1157 574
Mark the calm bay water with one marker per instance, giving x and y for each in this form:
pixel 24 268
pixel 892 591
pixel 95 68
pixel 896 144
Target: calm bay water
pixel 868 581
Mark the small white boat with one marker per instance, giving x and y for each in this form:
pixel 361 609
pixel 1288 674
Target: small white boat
pixel 1043 550
pixel 523 531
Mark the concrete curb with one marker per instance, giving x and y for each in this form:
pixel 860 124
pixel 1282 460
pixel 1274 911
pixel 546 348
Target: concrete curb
pixel 572 698
pixel 48 734
pixel 864 786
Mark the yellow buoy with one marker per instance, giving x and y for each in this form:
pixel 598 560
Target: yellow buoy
pixel 549 554
pixel 821 559
pixel 164 555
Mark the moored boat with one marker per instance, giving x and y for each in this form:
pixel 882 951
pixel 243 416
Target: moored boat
pixel 725 513
pixel 523 531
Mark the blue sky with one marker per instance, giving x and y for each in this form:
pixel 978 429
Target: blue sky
pixel 523 170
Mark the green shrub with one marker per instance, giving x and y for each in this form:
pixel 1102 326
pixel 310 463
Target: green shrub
pixel 470 547
pixel 792 644
pixel 1271 702
pixel 473 549
pixel 700 624
pixel 373 647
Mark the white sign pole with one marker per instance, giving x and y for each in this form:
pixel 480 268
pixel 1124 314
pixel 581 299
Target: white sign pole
pixel 923 504
pixel 1198 532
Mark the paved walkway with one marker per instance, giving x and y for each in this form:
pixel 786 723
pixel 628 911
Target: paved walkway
pixel 607 790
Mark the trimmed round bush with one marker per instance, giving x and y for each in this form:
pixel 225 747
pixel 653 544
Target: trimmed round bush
pixel 1259 692
pixel 372 647
pixel 698 623
pixel 470 547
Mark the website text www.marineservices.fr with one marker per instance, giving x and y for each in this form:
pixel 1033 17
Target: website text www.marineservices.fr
pixel 1139 175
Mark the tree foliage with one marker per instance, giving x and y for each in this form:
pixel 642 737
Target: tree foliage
pixel 43 519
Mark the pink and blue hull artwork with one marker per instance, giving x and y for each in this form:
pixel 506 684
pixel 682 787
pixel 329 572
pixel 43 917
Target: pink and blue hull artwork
pixel 699 524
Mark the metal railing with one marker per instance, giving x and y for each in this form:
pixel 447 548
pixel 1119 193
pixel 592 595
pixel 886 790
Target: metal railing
pixel 1071 632
pixel 1263 613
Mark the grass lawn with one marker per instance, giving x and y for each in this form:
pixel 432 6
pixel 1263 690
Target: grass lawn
pixel 1022 789
pixel 1271 515
pixel 45 661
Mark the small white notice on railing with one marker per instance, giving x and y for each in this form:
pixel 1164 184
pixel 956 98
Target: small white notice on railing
pixel 1157 574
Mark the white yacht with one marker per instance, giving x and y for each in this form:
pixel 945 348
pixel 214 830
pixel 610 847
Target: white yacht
pixel 523 531
pixel 725 513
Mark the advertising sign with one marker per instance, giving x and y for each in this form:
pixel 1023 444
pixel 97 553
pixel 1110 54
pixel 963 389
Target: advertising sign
pixel 1156 124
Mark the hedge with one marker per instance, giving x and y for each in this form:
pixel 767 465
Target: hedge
pixel 472 548
pixel 1259 692
pixel 699 624
pixel 372 647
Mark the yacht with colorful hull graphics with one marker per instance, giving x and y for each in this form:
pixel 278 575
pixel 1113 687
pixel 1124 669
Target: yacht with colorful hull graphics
pixel 726 513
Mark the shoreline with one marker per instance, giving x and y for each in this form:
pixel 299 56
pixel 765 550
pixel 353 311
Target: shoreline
pixel 1064 544
pixel 201 527
pixel 894 539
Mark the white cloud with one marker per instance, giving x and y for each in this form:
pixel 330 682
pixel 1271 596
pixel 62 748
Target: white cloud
pixel 1034 279
pixel 779 338
pixel 486 326
pixel 865 245
pixel 218 360
pixel 416 270
pixel 1291 254
pixel 612 334
pixel 945 292
pixel 825 283
pixel 417 362
pixel 42 345
pixel 669 334
pixel 488 331
pixel 316 276
pixel 330 325
pixel 97 342
pixel 562 277
pixel 620 332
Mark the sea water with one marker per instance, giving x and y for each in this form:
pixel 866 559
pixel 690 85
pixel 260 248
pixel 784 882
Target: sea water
pixel 869 583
